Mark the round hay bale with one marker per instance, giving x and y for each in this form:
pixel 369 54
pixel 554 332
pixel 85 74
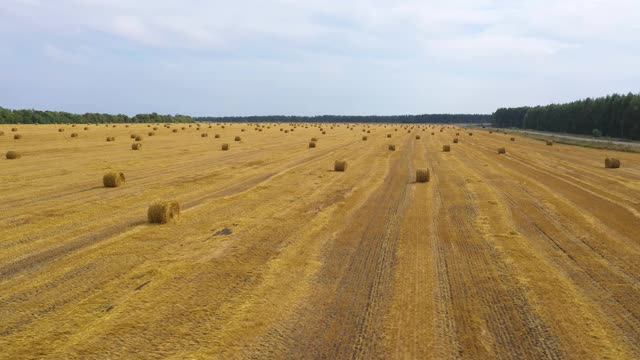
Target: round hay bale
pixel 61 130
pixel 136 146
pixel 417 137
pixel 324 132
pixel 155 129
pixel 204 135
pixel 110 138
pixel 162 212
pixel 502 150
pixel 86 128
pixel 183 128
pixel 364 138
pixel 388 135
pixel 433 133
pixel 422 175
pixel 513 139
pixel 133 136
pixel 113 179
pixel 151 133
pixel 12 155
pixel 455 140
pixel 549 142
pixel 314 139
pixel 457 134
pixel 312 144
pixel 241 130
pixel 611 163
pixel 225 147
pixel 470 134
pixel 392 147
pixel 74 135
pixel 340 165
pixel 17 137
pixel 14 129
pixel 446 148
pixel 237 138
pixel 217 136
pixel 138 138
pixel 175 130
pixel 1 133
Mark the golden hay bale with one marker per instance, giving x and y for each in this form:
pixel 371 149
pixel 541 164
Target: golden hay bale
pixel 312 144
pixel 183 128
pixel 422 175
pixel 392 147
pixel 417 137
pixel 11 155
pixel 241 130
pixel 364 138
pixel 1 133
pixel 162 212
pixel 502 150
pixel 286 131
pixel 314 139
pixel 549 142
pixel 237 138
pixel 324 132
pixel 457 134
pixel 204 135
pixel 124 126
pixel 60 130
pixel 388 135
pixel 86 128
pixel 217 136
pixel 513 139
pixel 151 133
pixel 340 165
pixel 446 148
pixel 136 146
pixel 111 138
pixel 14 129
pixel 138 138
pixel 470 134
pixel 225 147
pixel 455 140
pixel 74 135
pixel 133 136
pixel 433 133
pixel 155 128
pixel 17 137
pixel 611 163
pixel 175 130
pixel 113 179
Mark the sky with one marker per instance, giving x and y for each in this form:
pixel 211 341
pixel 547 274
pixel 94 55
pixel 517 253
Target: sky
pixel 286 57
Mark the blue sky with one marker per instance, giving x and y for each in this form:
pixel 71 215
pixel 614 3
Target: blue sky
pixel 288 57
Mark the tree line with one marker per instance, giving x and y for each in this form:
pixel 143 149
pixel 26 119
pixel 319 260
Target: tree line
pixel 60 117
pixel 614 116
pixel 402 119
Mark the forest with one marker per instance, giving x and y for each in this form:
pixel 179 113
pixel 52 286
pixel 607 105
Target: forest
pixel 615 116
pixel 59 117
pixel 402 119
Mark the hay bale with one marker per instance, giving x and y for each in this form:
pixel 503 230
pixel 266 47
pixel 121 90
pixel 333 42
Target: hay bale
pixel 392 147
pixel 312 144
pixel 133 136
pixel 138 138
pixel 324 132
pixel 502 150
pixel 388 135
pixel 225 147
pixel 470 134
pixel 12 155
pixel 433 133
pixel 340 165
pixel 446 148
pixel 217 136
pixel 611 163
pixel 513 139
pixel 113 179
pixel 136 146
pixel 17 137
pixel 1 133
pixel 422 175
pixel 455 140
pixel 86 128
pixel 237 138
pixel 14 129
pixel 364 138
pixel 417 137
pixel 204 135
pixel 74 135
pixel 162 212
pixel 175 130
pixel 549 142
pixel 151 133
pixel 110 138
pixel 61 130
pixel 314 139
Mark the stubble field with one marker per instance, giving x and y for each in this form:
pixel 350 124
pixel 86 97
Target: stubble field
pixel 533 254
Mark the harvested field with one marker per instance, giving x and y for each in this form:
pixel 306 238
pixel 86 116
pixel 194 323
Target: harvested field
pixel 532 254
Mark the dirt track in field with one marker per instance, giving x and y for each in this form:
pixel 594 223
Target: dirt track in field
pixel 529 255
